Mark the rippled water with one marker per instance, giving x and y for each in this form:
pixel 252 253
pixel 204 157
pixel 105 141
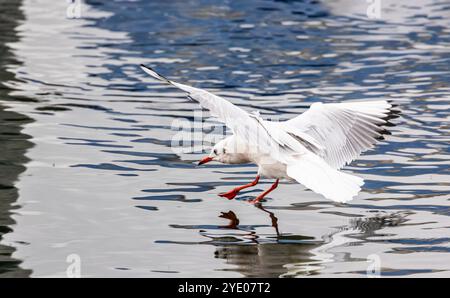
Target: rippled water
pixel 86 165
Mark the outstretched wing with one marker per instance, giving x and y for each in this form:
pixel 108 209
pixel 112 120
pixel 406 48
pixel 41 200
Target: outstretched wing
pixel 345 130
pixel 251 128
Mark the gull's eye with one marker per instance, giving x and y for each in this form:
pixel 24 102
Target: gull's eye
pixel 215 151
pixel 224 151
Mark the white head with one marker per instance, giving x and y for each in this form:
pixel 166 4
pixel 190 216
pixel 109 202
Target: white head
pixel 225 152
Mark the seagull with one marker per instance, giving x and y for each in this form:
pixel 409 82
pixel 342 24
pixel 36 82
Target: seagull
pixel 310 148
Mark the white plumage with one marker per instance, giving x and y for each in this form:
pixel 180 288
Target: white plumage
pixel 310 148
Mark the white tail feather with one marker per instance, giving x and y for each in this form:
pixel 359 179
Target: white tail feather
pixel 314 173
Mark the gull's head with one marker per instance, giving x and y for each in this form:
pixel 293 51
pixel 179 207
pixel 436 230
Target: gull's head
pixel 225 152
pixel 218 153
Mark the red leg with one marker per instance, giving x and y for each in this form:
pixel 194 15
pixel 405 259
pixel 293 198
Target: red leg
pixel 232 193
pixel 261 196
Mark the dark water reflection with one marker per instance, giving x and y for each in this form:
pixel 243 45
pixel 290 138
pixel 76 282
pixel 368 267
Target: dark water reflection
pixel 13 144
pixel 97 175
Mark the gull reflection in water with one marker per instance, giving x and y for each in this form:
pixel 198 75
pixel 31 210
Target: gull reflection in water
pixel 264 255
pixel 295 255
pixel 279 254
pixel 234 221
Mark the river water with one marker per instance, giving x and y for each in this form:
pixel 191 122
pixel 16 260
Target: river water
pixel 87 168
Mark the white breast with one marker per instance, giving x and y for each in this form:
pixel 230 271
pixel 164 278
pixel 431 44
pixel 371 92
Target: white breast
pixel 269 167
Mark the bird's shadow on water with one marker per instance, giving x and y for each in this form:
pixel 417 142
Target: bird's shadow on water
pixel 278 254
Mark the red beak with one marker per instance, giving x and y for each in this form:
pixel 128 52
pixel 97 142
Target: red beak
pixel 204 160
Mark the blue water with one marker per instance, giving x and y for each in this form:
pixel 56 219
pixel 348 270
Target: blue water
pixel 89 167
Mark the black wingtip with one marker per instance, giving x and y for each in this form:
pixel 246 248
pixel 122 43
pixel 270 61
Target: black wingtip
pixel 394 109
pixel 154 74
pixel 145 66
pixel 394 112
pixel 391 102
pixel 391 116
pixel 149 68
pixel 385 132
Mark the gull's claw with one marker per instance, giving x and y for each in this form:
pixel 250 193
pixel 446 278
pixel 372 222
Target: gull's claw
pixel 233 193
pixel 229 195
